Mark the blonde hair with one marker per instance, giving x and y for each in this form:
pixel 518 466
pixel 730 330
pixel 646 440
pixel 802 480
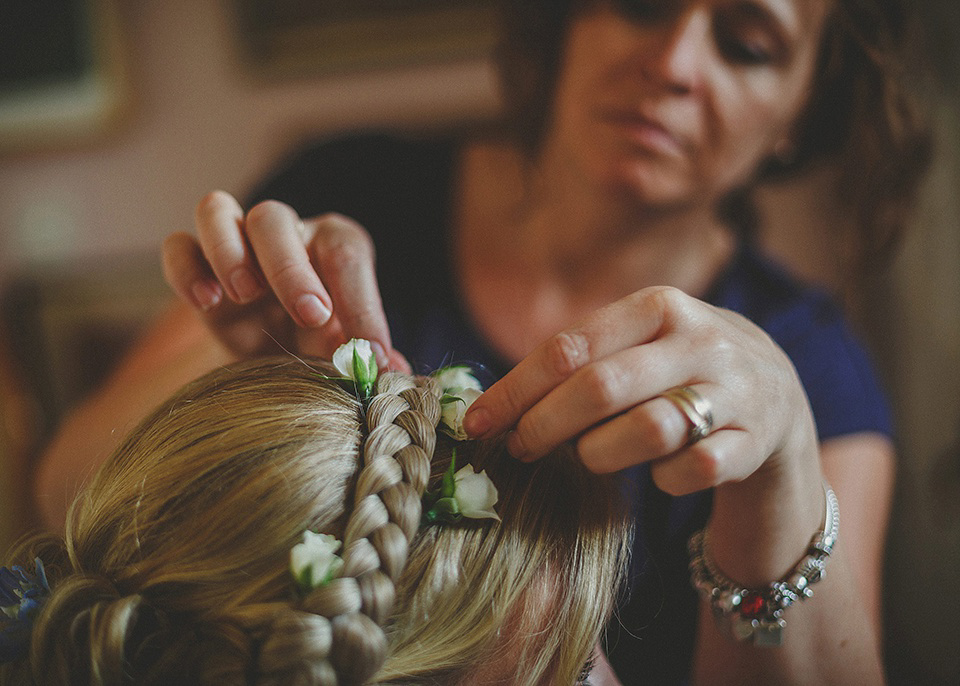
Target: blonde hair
pixel 175 563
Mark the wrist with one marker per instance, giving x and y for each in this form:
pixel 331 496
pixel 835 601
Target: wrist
pixel 753 612
pixel 759 526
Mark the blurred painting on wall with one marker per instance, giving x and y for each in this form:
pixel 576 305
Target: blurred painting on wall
pixel 61 72
pixel 289 38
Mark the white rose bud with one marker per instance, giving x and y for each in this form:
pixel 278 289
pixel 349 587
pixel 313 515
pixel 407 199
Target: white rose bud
pixel 457 378
pixel 454 408
pixel 475 494
pixel 314 562
pixel 355 360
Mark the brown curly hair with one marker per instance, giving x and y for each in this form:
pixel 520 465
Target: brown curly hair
pixel 865 112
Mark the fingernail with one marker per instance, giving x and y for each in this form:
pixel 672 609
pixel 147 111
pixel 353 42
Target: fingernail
pixel 311 310
pixel 515 446
pixel 476 422
pixel 380 354
pixel 206 295
pixel 245 284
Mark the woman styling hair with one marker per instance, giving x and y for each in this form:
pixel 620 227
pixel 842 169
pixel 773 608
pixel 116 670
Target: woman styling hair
pixel 176 566
pixel 597 256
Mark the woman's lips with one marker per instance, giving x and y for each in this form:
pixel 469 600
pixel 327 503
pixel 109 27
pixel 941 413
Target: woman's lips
pixel 644 132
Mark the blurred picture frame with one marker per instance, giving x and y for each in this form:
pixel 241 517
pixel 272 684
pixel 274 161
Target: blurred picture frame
pixel 297 38
pixel 62 72
pixel 66 326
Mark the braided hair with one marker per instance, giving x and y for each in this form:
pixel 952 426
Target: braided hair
pixel 175 563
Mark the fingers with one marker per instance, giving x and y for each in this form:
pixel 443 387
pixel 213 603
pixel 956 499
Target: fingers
pixel 600 384
pixel 266 245
pixel 717 459
pixel 646 432
pixel 188 272
pixel 632 321
pixel 344 256
pixel 597 392
pixel 219 223
pixel 657 432
pixel 322 271
pixel 277 238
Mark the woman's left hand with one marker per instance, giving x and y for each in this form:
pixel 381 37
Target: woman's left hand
pixel 601 384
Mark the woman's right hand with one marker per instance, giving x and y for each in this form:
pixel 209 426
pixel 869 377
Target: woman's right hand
pixel 268 281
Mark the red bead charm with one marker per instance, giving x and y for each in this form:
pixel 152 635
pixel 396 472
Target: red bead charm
pixel 752 606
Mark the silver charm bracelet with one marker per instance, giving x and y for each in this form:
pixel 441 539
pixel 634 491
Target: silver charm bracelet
pixel 756 615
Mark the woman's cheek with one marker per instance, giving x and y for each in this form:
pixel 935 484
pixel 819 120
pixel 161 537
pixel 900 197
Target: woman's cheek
pixel 752 128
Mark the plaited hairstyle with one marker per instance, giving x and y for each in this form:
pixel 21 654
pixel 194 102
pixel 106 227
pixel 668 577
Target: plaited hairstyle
pixel 174 568
pixel 865 111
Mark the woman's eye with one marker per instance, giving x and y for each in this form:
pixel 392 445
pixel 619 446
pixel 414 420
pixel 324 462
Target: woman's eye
pixel 744 42
pixel 746 52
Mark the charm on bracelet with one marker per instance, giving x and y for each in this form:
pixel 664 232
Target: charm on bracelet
pixel 756 615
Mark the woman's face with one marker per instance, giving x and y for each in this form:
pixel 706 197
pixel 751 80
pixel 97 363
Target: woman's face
pixel 678 101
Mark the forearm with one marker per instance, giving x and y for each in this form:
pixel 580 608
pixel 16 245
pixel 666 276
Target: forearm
pixel 176 349
pixel 828 639
pixel 833 637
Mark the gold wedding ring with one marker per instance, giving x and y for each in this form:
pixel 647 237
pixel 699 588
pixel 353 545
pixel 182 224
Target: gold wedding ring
pixel 695 408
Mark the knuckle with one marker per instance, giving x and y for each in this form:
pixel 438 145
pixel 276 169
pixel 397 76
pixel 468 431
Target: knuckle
pixel 224 252
pixel 722 350
pixel 286 273
pixel 343 256
pixel 602 385
pixel 672 303
pixel 656 434
pixel 267 213
pixel 532 431
pixel 668 296
pixel 514 398
pixel 567 352
pixel 333 227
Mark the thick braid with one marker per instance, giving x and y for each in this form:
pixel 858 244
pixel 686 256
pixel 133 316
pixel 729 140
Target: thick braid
pixel 343 619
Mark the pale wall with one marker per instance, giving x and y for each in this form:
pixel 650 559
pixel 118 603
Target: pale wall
pixel 198 121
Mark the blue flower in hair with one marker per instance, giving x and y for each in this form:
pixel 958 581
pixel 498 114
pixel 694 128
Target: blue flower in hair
pixel 21 596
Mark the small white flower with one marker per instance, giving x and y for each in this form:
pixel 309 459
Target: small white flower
pixel 343 357
pixel 457 378
pixel 455 406
pixel 475 494
pixel 314 562
pixel 355 360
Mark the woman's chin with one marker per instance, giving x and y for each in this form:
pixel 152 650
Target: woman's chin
pixel 647 185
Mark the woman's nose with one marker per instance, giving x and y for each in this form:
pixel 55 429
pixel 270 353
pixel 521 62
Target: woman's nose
pixel 677 58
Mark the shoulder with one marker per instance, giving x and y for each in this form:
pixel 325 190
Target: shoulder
pixel 833 364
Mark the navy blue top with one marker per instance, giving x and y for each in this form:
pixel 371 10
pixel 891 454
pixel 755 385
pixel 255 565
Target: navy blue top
pixel 401 190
